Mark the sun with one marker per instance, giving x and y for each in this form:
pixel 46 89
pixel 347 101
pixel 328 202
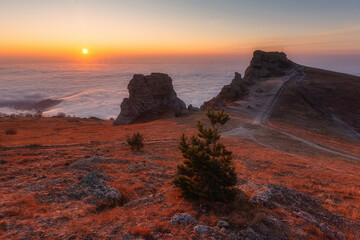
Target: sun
pixel 85 51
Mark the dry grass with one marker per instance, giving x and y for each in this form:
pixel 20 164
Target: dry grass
pixel 161 227
pixel 32 172
pixel 143 232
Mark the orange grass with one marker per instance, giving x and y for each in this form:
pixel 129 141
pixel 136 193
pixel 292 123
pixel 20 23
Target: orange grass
pixel 40 153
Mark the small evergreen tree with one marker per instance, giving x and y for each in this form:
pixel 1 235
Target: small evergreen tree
pixel 136 142
pixel 207 172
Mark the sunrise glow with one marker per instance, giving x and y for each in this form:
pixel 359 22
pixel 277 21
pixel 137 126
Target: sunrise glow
pixel 84 51
pixel 114 29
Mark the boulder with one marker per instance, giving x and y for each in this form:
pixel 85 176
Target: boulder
pixel 150 97
pixel 229 93
pixel 202 229
pixel 267 64
pixel 182 218
pixel 93 190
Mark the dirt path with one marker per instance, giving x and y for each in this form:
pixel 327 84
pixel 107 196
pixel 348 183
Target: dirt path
pixel 269 106
pixel 270 101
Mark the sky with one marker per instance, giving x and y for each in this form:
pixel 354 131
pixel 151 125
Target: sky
pixel 109 29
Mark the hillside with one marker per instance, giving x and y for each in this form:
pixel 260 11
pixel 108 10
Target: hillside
pixel 296 152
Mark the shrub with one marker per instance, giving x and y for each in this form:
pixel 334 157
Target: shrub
pixel 38 114
pixel 136 142
pixel 207 172
pixel 61 115
pixel 10 131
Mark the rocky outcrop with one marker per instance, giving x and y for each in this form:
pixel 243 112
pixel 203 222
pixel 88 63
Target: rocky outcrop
pixel 149 97
pixel 262 65
pixel 267 64
pixel 93 190
pixel 298 204
pixel 229 93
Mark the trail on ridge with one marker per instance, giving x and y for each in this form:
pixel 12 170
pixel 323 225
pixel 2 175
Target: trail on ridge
pixel 261 118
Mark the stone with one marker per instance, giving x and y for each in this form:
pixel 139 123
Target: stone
pixel 222 224
pixel 236 90
pixel 94 190
pixel 182 219
pixel 202 229
pixel 150 97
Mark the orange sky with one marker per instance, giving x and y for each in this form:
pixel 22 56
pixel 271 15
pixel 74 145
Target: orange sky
pixel 59 30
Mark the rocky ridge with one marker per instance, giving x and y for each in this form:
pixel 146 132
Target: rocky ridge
pixel 262 65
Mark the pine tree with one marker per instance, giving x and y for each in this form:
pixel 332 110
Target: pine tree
pixel 207 172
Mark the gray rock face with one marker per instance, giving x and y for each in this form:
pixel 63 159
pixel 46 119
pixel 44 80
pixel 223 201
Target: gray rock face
pixel 149 97
pixel 182 218
pixel 267 64
pixel 229 93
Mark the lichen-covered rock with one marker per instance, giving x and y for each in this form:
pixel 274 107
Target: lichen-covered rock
pixel 202 229
pixel 229 93
pixel 298 204
pixel 182 218
pixel 149 97
pixel 267 64
pixel 93 190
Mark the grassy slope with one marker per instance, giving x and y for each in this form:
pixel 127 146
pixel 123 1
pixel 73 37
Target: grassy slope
pixel 39 155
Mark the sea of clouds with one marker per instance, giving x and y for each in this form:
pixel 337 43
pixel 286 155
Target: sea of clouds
pixel 97 90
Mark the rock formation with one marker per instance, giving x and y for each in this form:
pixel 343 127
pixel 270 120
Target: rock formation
pixel 296 203
pixel 149 97
pixel 267 64
pixel 92 189
pixel 229 93
pixel 262 65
